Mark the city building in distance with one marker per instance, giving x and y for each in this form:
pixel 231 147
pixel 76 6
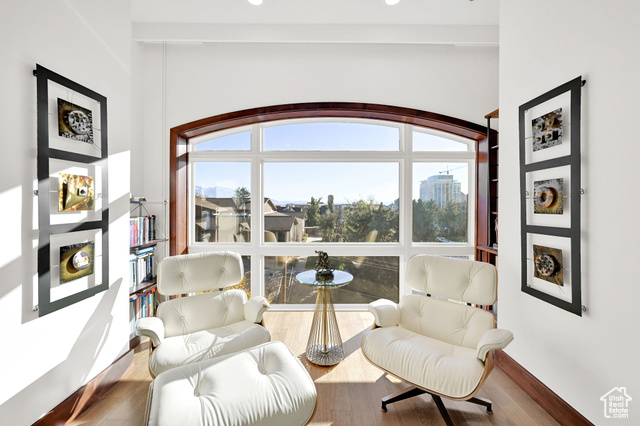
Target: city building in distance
pixel 441 189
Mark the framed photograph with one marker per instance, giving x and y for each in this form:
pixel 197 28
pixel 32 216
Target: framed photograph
pixel 550 192
pixel 547 130
pixel 73 224
pixel 549 271
pixel 75 192
pixel 548 197
pixel 75 122
pixel 76 261
pixel 548 264
pixel 67 202
pixel 76 266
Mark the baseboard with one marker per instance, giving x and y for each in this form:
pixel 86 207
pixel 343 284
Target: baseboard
pixel 135 342
pixel 557 408
pixel 81 399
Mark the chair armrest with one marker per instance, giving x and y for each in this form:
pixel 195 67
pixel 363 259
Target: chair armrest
pixel 385 312
pixel 254 308
pixel 151 327
pixel 493 339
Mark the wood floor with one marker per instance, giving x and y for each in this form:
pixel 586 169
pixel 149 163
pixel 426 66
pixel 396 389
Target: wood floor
pixel 348 393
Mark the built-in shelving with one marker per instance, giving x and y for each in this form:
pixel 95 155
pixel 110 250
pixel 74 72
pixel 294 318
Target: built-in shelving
pixel 143 287
pixel 149 243
pixel 143 241
pixel 487 190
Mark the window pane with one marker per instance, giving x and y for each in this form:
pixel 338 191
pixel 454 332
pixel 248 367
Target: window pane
pixel 331 137
pixel 428 142
pixel 234 142
pixel 374 277
pixel 331 202
pixel 440 196
pixel 245 284
pixel 222 201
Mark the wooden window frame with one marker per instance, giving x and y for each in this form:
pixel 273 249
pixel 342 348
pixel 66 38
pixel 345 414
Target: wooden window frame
pixel 180 135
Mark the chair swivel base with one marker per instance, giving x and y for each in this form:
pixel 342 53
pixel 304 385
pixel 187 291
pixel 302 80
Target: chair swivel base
pixel 412 391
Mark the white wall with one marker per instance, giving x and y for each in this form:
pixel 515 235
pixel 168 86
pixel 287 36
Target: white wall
pixel 44 360
pixel 545 43
pixel 202 80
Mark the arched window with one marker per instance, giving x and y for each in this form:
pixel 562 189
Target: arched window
pixel 368 184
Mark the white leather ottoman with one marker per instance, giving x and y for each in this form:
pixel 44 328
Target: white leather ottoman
pixel 264 385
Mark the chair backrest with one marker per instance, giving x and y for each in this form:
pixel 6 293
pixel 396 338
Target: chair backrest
pixel 270 237
pixel 191 273
pixel 463 280
pixel 186 315
pixel 451 279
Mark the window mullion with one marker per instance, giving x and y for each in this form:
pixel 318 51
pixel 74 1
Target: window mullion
pixel 406 206
pixel 191 195
pixel 257 206
pixel 471 205
pixel 331 156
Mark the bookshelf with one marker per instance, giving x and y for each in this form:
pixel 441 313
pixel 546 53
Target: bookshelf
pixel 144 241
pixel 487 181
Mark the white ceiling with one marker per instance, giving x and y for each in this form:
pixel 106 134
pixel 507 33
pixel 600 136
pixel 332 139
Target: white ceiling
pixel 415 12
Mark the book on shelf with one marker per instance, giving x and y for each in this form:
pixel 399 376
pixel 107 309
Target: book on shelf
pixel 142 230
pixel 142 266
pixel 144 250
pixel 141 306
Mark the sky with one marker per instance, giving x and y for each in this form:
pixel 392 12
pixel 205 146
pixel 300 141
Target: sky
pixel 347 182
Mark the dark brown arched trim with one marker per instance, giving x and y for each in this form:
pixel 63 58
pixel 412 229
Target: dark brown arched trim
pixel 180 135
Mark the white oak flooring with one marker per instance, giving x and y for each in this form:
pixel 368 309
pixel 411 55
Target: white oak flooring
pixel 348 393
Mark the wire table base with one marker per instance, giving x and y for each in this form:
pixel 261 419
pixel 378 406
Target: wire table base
pixel 325 344
pixel 325 356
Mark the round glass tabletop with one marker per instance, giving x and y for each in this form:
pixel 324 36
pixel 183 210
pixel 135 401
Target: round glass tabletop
pixel 339 278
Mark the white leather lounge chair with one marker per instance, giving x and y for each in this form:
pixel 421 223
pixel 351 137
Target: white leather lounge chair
pixel 202 326
pixel 437 341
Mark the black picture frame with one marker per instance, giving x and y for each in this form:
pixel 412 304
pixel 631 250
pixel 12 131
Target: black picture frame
pixel 569 156
pixel 46 229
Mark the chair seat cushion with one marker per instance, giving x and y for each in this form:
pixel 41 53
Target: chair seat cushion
pixel 205 344
pixel 437 366
pixel 265 385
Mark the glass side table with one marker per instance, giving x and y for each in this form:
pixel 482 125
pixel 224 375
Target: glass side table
pixel 325 344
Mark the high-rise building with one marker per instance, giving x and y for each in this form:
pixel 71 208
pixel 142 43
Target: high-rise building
pixel 441 188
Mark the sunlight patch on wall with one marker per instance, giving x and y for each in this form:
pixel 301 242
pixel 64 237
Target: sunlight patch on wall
pixel 11 250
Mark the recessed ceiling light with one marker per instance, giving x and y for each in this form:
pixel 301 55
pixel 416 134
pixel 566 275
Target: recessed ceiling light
pixel 255 2
pixel 392 2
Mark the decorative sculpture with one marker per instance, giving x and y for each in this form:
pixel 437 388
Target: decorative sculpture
pixel 324 269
